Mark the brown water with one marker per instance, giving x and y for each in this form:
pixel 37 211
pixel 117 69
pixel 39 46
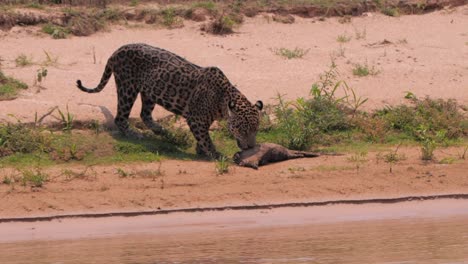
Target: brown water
pixel 356 238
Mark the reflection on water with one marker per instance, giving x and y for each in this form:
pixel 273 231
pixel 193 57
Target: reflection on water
pixel 441 240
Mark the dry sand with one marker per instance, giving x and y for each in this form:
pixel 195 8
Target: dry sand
pixel 428 55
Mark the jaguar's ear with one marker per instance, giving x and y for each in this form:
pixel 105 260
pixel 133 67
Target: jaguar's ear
pixel 259 105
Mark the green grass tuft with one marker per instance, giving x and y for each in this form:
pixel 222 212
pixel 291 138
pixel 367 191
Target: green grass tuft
pixel 170 18
pixel 57 32
pixel 34 178
pixel 363 70
pixel 10 87
pixel 208 5
pixel 22 60
pixel 295 53
pixel 222 166
pixel 391 11
pixel 343 38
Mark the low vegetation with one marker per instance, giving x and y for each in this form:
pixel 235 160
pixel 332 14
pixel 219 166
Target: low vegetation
pixel 330 116
pixel 10 87
pixel 363 70
pixel 390 11
pixel 41 74
pixel 392 157
pixel 170 18
pixel 223 24
pixel 295 53
pixel 23 60
pixel 208 5
pixel 26 144
pixel 34 178
pixel 56 32
pixel 222 166
pixel 343 38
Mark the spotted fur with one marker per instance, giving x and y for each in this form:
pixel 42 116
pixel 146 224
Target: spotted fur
pixel 200 94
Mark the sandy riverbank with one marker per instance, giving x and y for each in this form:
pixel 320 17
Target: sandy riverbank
pixel 425 54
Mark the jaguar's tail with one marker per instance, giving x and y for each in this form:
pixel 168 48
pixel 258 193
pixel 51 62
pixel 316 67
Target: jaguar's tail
pixel 104 79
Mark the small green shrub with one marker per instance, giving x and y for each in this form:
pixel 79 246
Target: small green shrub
pixel 134 2
pixel 374 128
pixel 362 70
pixel 18 138
pixel 122 173
pixel 222 166
pixel 343 38
pixel 57 32
pixel 448 160
pixel 307 121
pixel 22 60
pixel 66 119
pixel 427 149
pixel 437 118
pixel 41 74
pixel 291 54
pixel 169 17
pixel 8 180
pixel 208 5
pixel 66 148
pixel 222 24
pixel 149 15
pixel 393 158
pixel 10 87
pixel 390 11
pixel 34 178
pixel 110 14
pixel 358 159
pixel 87 22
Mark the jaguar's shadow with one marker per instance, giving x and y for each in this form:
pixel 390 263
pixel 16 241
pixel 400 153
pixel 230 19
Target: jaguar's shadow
pixel 151 143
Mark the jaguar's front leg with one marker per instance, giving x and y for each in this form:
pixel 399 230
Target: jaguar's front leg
pixel 205 146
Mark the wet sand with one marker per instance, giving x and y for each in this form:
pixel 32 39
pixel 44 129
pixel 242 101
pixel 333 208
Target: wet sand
pixel 186 223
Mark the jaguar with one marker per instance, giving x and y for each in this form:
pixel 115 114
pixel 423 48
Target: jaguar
pixel 200 94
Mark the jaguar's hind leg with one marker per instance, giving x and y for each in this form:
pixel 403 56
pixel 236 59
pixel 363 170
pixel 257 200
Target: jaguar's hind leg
pixel 147 107
pixel 126 96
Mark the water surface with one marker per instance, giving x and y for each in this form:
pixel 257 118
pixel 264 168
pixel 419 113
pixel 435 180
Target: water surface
pixel 356 238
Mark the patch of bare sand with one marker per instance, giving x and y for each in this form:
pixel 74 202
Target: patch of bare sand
pixel 427 55
pixel 184 184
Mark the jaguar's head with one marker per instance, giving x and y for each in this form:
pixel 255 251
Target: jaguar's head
pixel 243 121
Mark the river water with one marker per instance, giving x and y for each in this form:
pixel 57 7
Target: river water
pixel 425 232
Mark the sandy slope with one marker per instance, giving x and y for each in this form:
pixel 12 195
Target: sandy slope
pixel 187 184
